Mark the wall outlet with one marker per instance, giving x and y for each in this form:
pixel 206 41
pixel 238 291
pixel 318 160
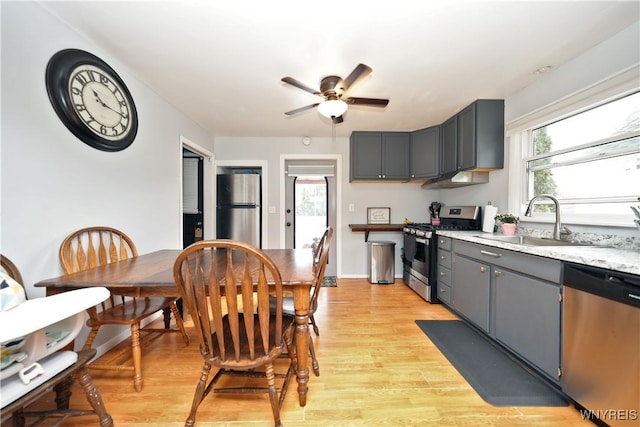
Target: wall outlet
pixel 352 207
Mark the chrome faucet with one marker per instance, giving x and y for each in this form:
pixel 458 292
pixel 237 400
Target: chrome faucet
pixel 557 226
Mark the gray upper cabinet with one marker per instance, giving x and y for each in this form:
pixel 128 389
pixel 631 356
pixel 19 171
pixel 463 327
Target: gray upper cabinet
pixel 481 135
pixel 366 155
pixel 474 138
pixel 449 135
pixel 380 156
pixel 425 153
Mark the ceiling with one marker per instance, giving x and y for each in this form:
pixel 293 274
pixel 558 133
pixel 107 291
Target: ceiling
pixel 221 62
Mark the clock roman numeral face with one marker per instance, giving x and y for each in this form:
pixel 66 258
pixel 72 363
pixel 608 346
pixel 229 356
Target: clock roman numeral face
pixel 99 102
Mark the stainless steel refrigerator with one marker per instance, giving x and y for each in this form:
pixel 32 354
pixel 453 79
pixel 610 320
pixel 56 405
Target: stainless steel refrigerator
pixel 238 212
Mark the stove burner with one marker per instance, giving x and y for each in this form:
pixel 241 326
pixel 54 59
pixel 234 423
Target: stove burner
pixel 443 226
pixel 420 226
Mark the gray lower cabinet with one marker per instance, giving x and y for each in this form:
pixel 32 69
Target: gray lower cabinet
pixel 472 283
pixel 527 318
pixel 444 269
pixel 514 297
pixel 380 156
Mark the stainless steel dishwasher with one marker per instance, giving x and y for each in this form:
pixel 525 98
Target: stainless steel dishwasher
pixel 601 343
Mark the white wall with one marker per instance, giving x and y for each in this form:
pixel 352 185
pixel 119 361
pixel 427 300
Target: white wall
pixel 619 53
pixel 52 183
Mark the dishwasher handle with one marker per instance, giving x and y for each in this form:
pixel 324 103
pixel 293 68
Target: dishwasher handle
pixel 612 285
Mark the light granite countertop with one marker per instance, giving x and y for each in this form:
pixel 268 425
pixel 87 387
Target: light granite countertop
pixel 609 258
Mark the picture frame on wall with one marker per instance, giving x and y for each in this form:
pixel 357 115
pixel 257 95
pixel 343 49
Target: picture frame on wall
pixel 378 215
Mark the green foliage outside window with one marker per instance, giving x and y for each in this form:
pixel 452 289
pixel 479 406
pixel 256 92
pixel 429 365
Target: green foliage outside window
pixel 543 182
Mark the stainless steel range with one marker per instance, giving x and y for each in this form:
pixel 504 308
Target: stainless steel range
pixel 419 257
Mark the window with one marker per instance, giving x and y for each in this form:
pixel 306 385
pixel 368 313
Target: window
pixel 590 161
pixel 310 210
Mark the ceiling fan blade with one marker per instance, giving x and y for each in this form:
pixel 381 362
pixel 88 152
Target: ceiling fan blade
pixel 301 109
pixel 299 85
pixel 337 120
pixel 360 72
pixel 374 102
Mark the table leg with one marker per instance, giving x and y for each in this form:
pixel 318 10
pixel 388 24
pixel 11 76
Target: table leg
pixel 136 354
pixel 167 317
pixel 94 398
pixel 301 305
pixel 63 393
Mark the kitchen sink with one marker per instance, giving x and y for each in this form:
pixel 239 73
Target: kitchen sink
pixel 531 241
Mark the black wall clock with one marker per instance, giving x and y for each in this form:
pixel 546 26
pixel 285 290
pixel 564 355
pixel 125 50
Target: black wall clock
pixel 91 100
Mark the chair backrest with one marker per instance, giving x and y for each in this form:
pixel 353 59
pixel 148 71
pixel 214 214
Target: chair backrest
pixel 10 268
pixel 94 246
pixel 203 273
pixel 320 265
pixel 325 240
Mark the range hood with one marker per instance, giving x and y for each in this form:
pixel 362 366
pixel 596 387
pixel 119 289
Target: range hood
pixel 460 179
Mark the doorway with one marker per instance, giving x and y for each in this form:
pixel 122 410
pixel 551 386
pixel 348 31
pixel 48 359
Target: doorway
pixel 310 189
pixel 196 214
pixel 192 197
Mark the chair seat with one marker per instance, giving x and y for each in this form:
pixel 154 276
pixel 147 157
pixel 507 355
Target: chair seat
pixel 132 311
pixel 260 357
pixel 287 305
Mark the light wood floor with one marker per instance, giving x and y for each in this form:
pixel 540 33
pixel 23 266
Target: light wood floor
pixel 376 369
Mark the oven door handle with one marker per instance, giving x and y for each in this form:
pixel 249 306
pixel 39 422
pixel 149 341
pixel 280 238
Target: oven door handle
pixel 423 241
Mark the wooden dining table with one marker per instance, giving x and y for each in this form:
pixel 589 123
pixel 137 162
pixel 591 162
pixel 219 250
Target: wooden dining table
pixel 151 275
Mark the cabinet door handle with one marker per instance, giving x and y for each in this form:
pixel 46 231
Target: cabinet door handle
pixel 497 273
pixel 493 254
pixel 442 274
pixel 442 257
pixel 483 269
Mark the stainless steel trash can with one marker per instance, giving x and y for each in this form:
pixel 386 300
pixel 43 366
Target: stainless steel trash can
pixel 381 262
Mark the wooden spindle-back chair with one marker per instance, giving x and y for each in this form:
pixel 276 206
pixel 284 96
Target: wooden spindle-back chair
pixel 10 268
pixel 95 246
pixel 225 285
pixel 320 260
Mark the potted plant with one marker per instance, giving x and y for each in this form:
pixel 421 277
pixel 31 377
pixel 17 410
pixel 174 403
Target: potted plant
pixel 509 223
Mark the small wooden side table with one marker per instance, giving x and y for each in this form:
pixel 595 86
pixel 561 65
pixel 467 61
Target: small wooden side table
pixel 61 384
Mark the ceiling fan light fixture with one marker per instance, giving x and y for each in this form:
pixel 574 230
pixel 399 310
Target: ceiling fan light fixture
pixel 332 108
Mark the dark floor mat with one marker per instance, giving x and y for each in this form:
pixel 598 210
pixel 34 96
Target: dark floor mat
pixel 330 281
pixel 496 377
